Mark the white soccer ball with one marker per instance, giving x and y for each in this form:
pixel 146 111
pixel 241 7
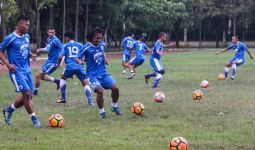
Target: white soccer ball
pixel 159 97
pixel 204 84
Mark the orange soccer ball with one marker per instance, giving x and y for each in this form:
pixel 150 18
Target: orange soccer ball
pixel 137 108
pixel 197 95
pixel 221 77
pixel 56 120
pixel 178 143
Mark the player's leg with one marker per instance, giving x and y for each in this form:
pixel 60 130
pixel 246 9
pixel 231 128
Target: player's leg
pixel 155 68
pixel 236 63
pixel 125 60
pixel 131 66
pixel 158 78
pixel 108 82
pixel 62 89
pixel 98 89
pixel 227 66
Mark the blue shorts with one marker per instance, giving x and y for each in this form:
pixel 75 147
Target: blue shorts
pixel 23 81
pixel 126 58
pixel 136 61
pixel 79 72
pixel 106 81
pixel 156 65
pixel 49 68
pixel 240 61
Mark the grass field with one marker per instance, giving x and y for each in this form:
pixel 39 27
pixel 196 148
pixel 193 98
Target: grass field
pixel 198 121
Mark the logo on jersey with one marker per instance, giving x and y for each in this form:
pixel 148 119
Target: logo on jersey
pixel 27 39
pixel 24 50
pixel 98 57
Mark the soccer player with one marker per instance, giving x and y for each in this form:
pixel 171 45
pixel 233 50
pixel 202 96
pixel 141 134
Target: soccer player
pixel 70 52
pixel 96 72
pixel 156 54
pixel 239 58
pixel 140 50
pixel 54 47
pixel 18 51
pixel 127 44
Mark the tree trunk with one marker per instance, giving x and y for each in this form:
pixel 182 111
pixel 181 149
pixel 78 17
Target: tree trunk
pixel 22 6
pixel 86 20
pixel 38 27
pixel 51 22
pixel 64 20
pixel 77 19
pixel 217 39
pixel 177 32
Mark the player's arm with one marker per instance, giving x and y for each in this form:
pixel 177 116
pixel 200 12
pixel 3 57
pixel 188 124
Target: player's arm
pixel 11 67
pixel 169 45
pixel 224 50
pixel 45 49
pixel 106 61
pixel 248 51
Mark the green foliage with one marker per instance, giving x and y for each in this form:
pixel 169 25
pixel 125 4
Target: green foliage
pixel 9 9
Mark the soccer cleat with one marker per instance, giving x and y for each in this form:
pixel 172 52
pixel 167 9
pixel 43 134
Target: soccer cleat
pixel 91 104
pixel 7 116
pixel 146 79
pixel 116 110
pixel 61 101
pixel 123 72
pixel 36 122
pixel 36 92
pixel 131 75
pixel 232 77
pixel 102 115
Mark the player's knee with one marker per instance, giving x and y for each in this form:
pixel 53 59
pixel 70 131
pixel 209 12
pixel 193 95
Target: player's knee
pixel 87 88
pixel 100 91
pixel 114 88
pixel 62 83
pixel 26 95
pixel 162 72
pixel 159 76
pixel 228 65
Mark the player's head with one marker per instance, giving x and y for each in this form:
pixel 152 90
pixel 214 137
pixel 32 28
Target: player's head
pixel 138 37
pixel 130 33
pixel 162 36
pixel 95 35
pixel 51 31
pixel 69 35
pixel 22 24
pixel 235 39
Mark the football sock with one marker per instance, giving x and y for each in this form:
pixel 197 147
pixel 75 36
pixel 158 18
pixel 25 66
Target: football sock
pixel 87 92
pixel 114 104
pixel 226 72
pixel 31 115
pixel 11 108
pixel 101 110
pixel 157 80
pixel 234 69
pixel 151 75
pixel 63 89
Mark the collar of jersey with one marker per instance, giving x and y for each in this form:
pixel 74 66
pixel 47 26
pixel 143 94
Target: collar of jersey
pixel 93 45
pixel 18 35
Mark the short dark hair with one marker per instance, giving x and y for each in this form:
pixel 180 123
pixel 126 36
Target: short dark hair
pixel 69 34
pixel 93 32
pixel 22 17
pixel 51 28
pixel 235 35
pixel 129 32
pixel 138 37
pixel 161 34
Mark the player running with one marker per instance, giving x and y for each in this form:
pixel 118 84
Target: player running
pixel 239 58
pixel 140 50
pixel 54 47
pixel 96 72
pixel 70 52
pixel 127 44
pixel 156 54
pixel 18 52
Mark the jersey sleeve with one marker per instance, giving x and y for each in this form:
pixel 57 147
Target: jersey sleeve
pixel 5 43
pixel 57 43
pixel 230 46
pixel 62 53
pixel 82 52
pixel 157 46
pixel 146 47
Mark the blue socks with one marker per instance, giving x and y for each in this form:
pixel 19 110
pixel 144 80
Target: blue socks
pixel 87 92
pixel 151 75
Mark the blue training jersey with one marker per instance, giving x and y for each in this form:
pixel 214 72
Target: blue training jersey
pixel 127 43
pixel 158 46
pixel 18 50
pixel 140 49
pixel 95 60
pixel 54 47
pixel 70 51
pixel 239 49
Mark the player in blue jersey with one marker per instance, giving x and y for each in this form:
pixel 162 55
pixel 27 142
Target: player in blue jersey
pixel 239 58
pixel 70 52
pixel 18 52
pixel 127 44
pixel 54 47
pixel 96 71
pixel 140 50
pixel 156 54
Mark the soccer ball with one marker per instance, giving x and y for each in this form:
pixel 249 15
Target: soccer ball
pixel 221 77
pixel 56 120
pixel 204 84
pixel 197 95
pixel 178 143
pixel 137 108
pixel 159 97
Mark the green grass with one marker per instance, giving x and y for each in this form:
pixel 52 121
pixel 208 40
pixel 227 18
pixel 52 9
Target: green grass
pixel 198 121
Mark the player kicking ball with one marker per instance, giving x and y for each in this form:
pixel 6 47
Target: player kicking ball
pixel 140 50
pixel 54 47
pixel 70 52
pixel 18 52
pixel 96 71
pixel 239 58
